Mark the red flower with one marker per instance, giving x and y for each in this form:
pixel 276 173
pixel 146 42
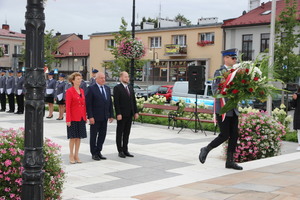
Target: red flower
pixel 250 89
pixel 247 70
pixel 227 86
pixel 243 81
pixel 262 92
pixel 223 93
pixel 255 78
pixel 231 83
pixel 235 91
pixel 232 70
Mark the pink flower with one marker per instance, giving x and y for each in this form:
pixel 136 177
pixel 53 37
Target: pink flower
pixel 7 163
pixel 17 159
pixel 7 189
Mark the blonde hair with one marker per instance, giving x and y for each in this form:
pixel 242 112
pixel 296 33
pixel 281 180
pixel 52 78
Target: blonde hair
pixel 122 73
pixel 72 77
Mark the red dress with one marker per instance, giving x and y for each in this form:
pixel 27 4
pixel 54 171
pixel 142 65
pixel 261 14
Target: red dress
pixel 76 113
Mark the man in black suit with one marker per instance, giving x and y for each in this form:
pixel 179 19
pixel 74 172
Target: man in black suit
pixel 125 108
pixel 99 110
pixel 228 126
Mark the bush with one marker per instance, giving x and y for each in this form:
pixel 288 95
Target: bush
pixel 11 156
pixel 260 137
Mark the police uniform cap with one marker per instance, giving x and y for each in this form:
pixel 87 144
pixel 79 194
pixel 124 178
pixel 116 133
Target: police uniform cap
pixel 229 52
pixel 62 75
pixel 19 71
pixel 95 71
pixel 10 71
pixel 51 73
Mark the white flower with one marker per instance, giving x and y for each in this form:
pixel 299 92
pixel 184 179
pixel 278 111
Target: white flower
pixel 282 106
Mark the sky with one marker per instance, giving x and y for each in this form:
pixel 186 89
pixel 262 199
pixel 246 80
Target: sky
pixel 90 16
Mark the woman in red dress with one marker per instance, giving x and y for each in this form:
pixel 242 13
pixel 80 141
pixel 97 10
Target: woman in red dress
pixel 75 116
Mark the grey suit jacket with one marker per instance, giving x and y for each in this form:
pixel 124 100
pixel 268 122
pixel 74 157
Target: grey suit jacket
pixel 60 88
pixel 20 85
pixel 92 81
pixel 3 83
pixel 215 86
pixel 10 84
pixel 50 84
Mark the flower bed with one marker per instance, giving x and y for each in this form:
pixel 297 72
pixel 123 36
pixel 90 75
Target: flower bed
pixel 11 156
pixel 260 136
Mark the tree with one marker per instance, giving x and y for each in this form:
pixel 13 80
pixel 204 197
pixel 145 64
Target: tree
pixel 155 21
pixel 182 18
pixel 50 47
pixel 120 63
pixel 286 63
pixel 1 51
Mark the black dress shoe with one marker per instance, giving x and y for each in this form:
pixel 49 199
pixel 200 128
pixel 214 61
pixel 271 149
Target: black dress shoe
pixel 19 113
pixel 10 111
pixel 49 117
pixel 101 156
pixel 128 154
pixel 95 157
pixel 2 110
pixel 122 155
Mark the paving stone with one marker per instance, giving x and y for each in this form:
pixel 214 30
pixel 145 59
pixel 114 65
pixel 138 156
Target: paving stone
pixel 256 187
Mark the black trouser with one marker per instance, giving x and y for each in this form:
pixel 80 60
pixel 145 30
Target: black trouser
pixel 97 136
pixel 11 102
pixel 3 101
pixel 123 131
pixel 228 129
pixel 20 102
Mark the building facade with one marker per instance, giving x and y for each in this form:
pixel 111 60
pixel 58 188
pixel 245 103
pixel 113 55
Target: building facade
pixel 169 51
pixel 250 33
pixel 12 43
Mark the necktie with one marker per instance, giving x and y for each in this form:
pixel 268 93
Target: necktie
pixel 127 89
pixel 103 93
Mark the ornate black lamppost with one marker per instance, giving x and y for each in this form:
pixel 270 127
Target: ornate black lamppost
pixel 133 36
pixel 32 187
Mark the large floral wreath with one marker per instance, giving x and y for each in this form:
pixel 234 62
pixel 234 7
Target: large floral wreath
pixel 243 82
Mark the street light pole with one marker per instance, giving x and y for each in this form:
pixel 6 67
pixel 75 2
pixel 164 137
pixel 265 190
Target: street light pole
pixel 33 162
pixel 133 36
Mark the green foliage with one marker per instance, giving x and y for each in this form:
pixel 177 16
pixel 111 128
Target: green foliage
pixel 1 51
pixel 182 18
pixel 287 38
pixel 290 136
pixel 120 63
pixel 155 21
pixel 11 169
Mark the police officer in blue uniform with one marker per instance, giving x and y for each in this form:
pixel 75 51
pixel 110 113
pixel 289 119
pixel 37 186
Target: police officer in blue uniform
pixel 60 95
pixel 2 90
pixel 228 127
pixel 10 91
pixel 50 92
pixel 19 92
pixel 93 78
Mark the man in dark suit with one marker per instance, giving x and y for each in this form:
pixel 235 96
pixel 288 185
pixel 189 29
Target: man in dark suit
pixel 125 108
pixel 228 126
pixel 20 92
pixel 99 110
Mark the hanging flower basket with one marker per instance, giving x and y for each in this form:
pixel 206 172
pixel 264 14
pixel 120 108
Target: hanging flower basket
pixel 204 43
pixel 131 49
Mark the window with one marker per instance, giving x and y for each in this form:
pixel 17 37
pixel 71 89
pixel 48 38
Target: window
pixel 207 37
pixel 264 41
pixel 110 43
pixel 155 42
pixel 179 39
pixel 5 48
pixel 17 49
pixel 247 50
